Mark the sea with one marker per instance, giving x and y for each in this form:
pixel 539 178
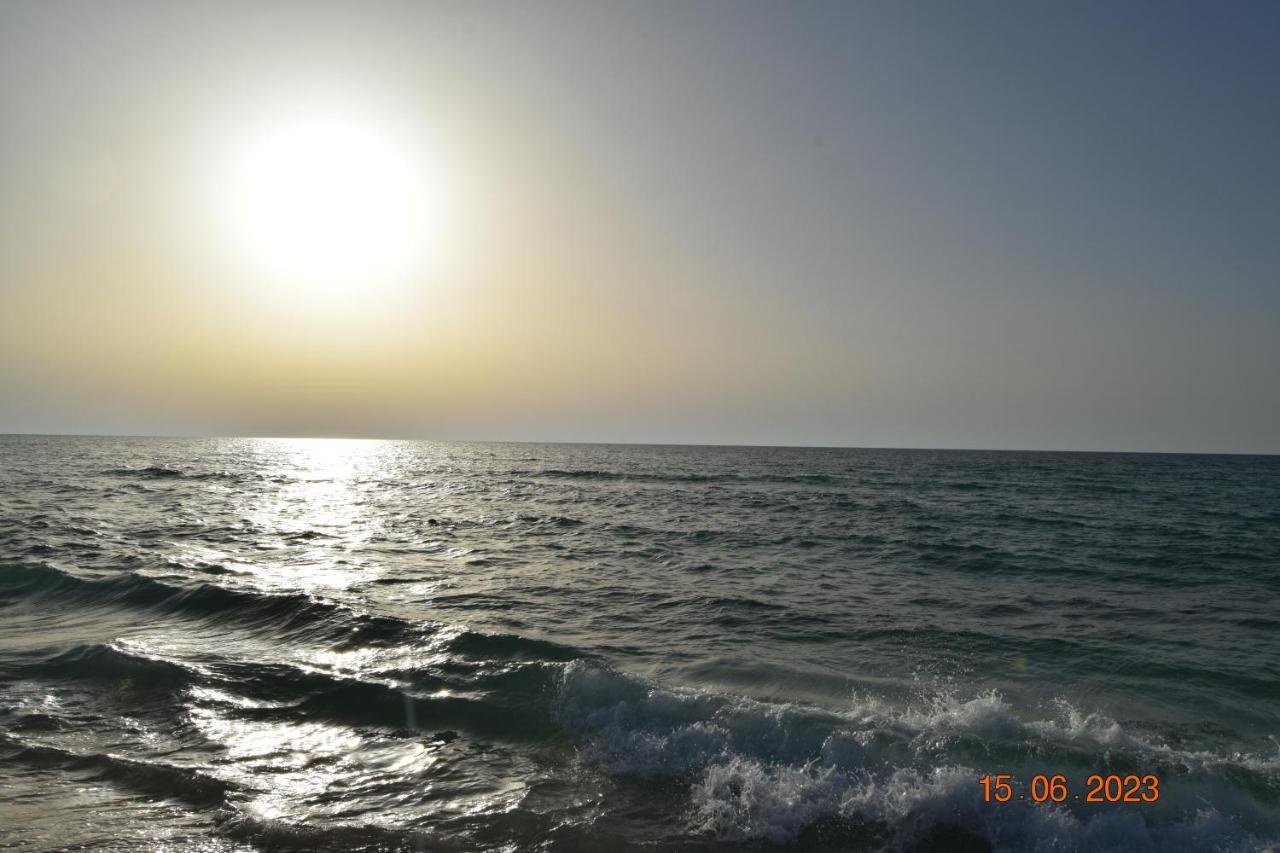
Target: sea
pixel 332 645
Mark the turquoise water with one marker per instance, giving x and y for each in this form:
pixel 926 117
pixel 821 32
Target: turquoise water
pixel 324 645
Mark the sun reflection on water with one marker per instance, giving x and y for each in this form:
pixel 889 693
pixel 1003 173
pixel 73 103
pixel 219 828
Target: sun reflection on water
pixel 317 513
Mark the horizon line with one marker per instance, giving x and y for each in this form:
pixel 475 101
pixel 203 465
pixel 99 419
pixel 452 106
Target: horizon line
pixel 195 437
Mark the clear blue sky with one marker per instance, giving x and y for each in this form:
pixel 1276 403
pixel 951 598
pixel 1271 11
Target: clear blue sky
pixel 1022 225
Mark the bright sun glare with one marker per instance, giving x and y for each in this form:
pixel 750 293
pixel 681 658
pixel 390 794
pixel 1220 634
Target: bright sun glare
pixel 322 201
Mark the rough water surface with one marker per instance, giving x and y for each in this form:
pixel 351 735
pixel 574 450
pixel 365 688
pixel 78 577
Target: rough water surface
pixel 233 645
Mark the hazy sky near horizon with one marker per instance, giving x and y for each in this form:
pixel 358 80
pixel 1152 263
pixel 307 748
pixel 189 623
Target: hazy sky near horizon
pixel 1005 225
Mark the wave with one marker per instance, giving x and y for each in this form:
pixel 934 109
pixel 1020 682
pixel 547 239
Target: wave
pixel 284 614
pixel 109 662
pixel 167 472
pixel 286 837
pixel 871 775
pixel 503 700
pixel 511 646
pixel 150 471
pixel 198 788
pixel 642 476
pixel 147 777
pixel 791 774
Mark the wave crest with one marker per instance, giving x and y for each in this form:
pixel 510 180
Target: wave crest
pixel 790 774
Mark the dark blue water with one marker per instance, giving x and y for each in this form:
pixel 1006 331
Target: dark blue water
pixel 313 645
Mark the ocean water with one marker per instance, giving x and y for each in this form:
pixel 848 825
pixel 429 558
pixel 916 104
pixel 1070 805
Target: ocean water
pixel 236 645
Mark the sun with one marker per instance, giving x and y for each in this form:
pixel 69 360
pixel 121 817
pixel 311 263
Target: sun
pixel 325 200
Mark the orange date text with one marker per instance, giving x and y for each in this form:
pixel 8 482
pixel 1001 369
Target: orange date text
pixel 1056 788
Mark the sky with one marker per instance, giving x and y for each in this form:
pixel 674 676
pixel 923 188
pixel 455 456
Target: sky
pixel 985 225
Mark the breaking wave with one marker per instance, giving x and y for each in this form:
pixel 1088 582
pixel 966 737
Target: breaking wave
pixel 907 776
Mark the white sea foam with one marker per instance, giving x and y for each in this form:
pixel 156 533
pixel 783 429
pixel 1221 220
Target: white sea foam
pixel 761 771
pixel 742 799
